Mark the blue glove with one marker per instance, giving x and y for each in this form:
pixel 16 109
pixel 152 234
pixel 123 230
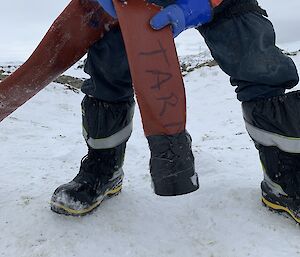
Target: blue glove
pixel 108 6
pixel 183 15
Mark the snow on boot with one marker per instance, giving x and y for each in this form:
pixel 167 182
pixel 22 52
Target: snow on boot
pixel 106 129
pixel 100 177
pixel 172 164
pixel 273 124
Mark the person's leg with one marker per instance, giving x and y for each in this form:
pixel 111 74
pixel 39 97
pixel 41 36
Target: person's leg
pixel 107 123
pixel 172 162
pixel 107 112
pixel 273 124
pixel 244 46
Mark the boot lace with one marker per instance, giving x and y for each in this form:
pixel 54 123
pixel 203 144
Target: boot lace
pixel 93 169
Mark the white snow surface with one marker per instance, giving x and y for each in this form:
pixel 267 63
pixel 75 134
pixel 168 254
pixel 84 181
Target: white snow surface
pixel 41 148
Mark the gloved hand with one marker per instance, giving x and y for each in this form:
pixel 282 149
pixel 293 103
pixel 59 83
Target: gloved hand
pixel 183 15
pixel 108 6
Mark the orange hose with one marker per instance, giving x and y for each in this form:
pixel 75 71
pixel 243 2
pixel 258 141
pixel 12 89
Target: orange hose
pixel 81 24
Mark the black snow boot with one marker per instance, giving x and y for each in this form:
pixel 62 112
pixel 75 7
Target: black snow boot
pixel 106 129
pixel 172 164
pixel 100 176
pixel 273 124
pixel 281 184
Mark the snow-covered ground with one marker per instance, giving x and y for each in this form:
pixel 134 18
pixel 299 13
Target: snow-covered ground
pixel 41 148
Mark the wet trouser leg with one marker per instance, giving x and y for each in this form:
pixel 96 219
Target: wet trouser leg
pixel 108 67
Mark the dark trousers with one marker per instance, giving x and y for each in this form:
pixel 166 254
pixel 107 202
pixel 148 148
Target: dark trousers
pixel 243 45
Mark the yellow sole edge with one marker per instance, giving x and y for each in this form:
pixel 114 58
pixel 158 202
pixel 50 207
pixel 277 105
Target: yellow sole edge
pixel 87 210
pixel 278 207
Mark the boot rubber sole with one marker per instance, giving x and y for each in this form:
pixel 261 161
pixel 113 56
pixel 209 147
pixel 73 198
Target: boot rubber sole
pixel 279 208
pixel 61 209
